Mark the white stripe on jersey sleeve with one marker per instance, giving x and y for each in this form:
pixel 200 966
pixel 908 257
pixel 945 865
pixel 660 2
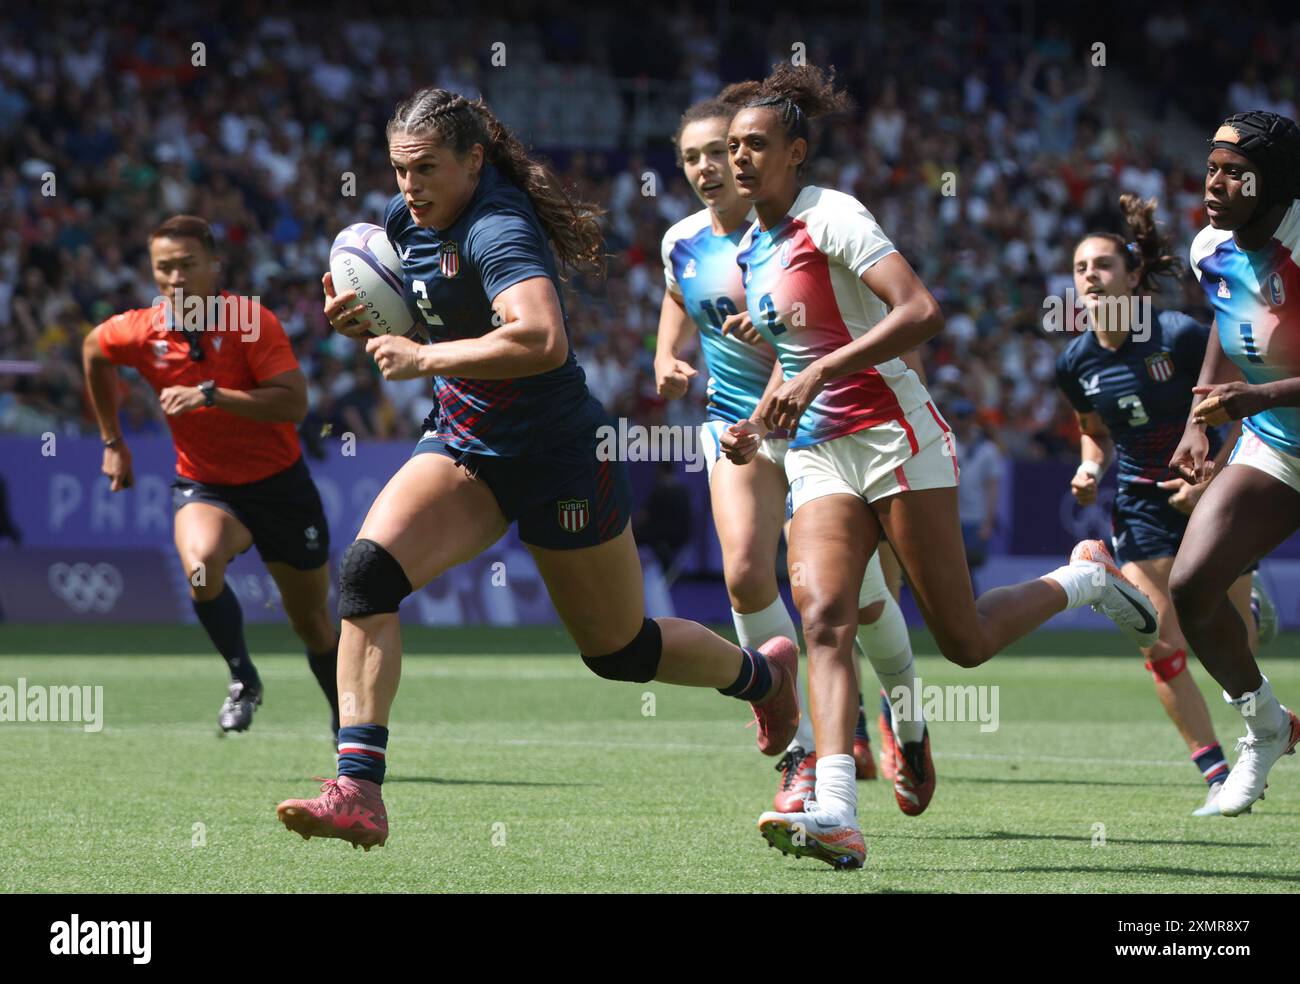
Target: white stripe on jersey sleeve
pixel 842 228
pixel 1205 243
pixel 1288 231
pixel 683 229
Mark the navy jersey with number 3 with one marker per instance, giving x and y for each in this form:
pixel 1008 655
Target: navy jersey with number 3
pixel 1142 391
pixel 451 277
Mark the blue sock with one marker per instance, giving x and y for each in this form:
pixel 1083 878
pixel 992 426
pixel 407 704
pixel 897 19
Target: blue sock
pixel 224 621
pixel 755 677
pixel 861 730
pixel 362 751
pixel 1212 763
pixel 324 667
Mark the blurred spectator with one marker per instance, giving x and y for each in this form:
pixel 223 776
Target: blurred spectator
pixel 982 472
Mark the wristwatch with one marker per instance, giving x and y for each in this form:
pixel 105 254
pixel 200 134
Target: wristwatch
pixel 209 390
pixel 112 442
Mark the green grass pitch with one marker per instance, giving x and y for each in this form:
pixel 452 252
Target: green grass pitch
pixel 513 769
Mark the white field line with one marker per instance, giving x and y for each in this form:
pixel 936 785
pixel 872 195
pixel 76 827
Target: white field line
pixel 409 738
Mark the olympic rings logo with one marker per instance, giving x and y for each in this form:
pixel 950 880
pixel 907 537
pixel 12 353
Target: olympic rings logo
pixel 85 587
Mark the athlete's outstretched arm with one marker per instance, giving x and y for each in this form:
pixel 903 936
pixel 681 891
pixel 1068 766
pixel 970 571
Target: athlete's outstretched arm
pixel 530 341
pixel 101 380
pixel 672 375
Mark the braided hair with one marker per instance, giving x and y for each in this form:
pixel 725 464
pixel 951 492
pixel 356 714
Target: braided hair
pixel 572 226
pixel 1270 142
pixel 1144 247
pixel 799 94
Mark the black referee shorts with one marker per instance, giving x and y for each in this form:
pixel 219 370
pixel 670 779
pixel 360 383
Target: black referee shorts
pixel 283 512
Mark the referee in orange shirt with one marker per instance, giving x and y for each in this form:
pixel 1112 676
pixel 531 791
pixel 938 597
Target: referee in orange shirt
pixel 233 394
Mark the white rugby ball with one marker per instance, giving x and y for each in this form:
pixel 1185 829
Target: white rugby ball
pixel 362 259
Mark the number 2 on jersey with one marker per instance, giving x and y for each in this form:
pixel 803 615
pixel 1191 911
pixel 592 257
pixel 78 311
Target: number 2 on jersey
pixel 422 302
pixel 767 310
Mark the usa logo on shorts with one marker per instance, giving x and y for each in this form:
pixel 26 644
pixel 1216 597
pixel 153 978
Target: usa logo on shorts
pixel 575 514
pixel 1161 367
pixel 450 260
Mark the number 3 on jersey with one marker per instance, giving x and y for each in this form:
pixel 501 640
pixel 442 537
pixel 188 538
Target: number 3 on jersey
pixel 1137 413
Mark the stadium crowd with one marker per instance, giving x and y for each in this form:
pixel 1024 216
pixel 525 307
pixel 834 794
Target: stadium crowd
pixel 984 159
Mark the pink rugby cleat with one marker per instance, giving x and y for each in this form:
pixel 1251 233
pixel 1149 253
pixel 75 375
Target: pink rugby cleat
pixel 349 809
pixel 777 716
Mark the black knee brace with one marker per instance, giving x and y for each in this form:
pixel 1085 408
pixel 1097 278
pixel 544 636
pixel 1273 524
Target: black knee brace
pixel 371 581
pixel 636 662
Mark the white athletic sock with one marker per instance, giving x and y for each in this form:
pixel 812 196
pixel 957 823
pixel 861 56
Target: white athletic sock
pixel 889 648
pixel 1260 710
pixel 837 788
pixel 1080 582
pixel 757 628
pixel 803 738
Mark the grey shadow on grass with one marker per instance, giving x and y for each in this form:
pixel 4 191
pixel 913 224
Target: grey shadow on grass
pixel 445 781
pixel 1291 877
pixel 1006 835
pixel 990 780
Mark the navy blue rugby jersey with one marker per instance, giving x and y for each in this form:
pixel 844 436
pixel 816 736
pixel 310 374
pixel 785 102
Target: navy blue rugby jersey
pixel 451 277
pixel 1143 392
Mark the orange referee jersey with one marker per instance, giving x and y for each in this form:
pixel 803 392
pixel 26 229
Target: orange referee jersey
pixel 212 446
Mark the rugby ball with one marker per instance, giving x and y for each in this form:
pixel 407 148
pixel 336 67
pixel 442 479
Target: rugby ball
pixel 362 259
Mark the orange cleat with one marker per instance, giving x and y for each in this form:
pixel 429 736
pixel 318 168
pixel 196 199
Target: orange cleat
pixel 888 744
pixel 798 779
pixel 815 834
pixel 864 763
pixel 914 781
pixel 349 809
pixel 777 716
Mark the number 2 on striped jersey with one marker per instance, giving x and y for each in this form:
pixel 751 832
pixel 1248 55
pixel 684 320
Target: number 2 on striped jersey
pixel 767 310
pixel 1248 346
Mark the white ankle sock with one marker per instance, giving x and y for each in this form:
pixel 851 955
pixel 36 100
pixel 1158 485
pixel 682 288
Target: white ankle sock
pixel 1080 582
pixel 837 788
pixel 803 738
pixel 1260 710
pixel 889 649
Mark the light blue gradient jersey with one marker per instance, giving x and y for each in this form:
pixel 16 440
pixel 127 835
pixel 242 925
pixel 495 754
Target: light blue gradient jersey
pixel 700 269
pixel 1256 299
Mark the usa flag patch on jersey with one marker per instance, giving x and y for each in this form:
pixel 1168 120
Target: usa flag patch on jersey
pixel 1160 367
pixel 575 514
pixel 449 259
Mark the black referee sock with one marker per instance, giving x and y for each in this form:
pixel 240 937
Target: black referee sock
pixel 224 621
pixel 324 667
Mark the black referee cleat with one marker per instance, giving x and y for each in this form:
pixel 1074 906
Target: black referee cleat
pixel 237 711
